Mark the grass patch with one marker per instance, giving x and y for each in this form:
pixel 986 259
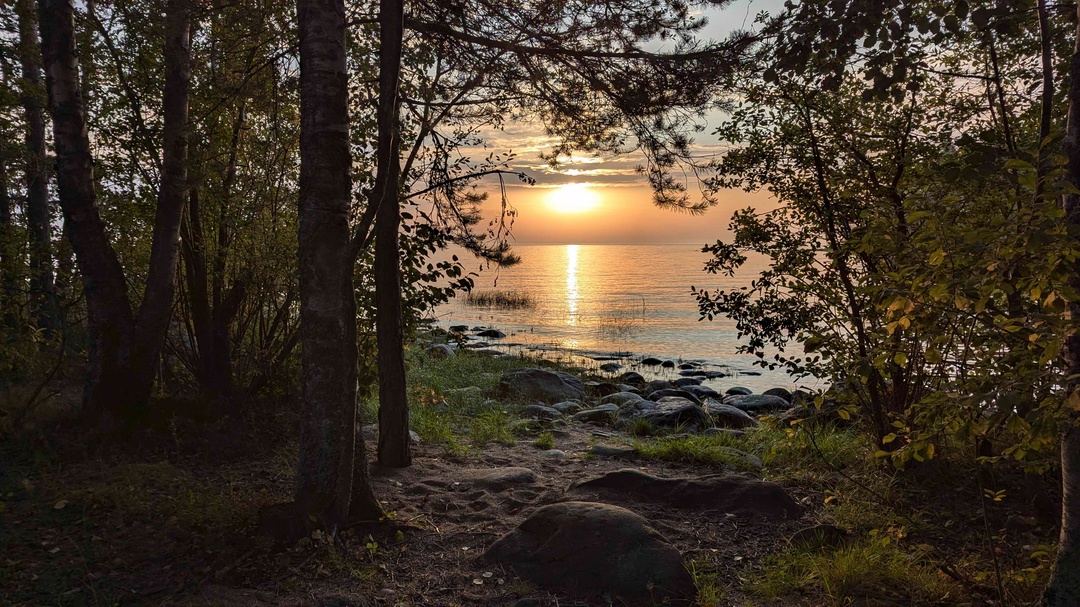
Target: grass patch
pixel 499 298
pixel 545 441
pixel 696 449
pixel 863 569
pixel 710 590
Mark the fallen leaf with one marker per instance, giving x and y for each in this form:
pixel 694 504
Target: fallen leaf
pixel 60 505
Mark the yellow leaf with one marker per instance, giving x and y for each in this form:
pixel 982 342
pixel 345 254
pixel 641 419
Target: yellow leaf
pixel 60 505
pixel 888 438
pixel 937 257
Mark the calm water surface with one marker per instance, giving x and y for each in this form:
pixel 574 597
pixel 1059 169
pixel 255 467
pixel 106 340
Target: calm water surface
pixel 627 301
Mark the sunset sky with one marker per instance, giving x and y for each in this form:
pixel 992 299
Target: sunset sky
pixel 592 199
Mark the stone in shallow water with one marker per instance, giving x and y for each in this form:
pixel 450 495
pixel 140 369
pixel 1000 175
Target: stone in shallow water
pixel 595 549
pixel 492 333
pixel 610 367
pixel 738 391
pixel 651 361
pixel 783 393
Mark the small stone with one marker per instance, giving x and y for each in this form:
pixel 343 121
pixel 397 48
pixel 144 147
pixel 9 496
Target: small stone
pixel 492 333
pixel 541 412
pixel 609 451
pixel 651 361
pixel 610 367
pixel 738 391
pixel 603 413
pixel 554 454
pixel 668 364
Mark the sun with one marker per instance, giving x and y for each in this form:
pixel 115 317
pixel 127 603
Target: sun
pixel 573 198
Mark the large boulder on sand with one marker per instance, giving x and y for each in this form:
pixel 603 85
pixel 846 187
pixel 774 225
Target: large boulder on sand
pixel 538 384
pixel 595 549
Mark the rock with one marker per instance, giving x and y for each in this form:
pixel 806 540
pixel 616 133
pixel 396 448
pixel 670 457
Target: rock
pixel 493 333
pixel 732 494
pixel 497 478
pixel 633 378
pixel 683 382
pixel 628 388
pixel 702 392
pixel 668 412
pixel 415 438
pixel 668 364
pixel 687 366
pixel 468 392
pixel 538 384
pixel 541 412
pixel 748 460
pixel 783 393
pixel 724 432
pixel 692 372
pixel 738 391
pixel 609 451
pixel 440 351
pixel 656 396
pixel 610 367
pixel 603 413
pixel 553 454
pixel 656 384
pixel 750 373
pixel 726 416
pixel 819 537
pixel 713 374
pixel 476 345
pixel 651 361
pixel 595 549
pixel 601 388
pixel 757 403
pixel 568 407
pixel 621 398
pixel 459 328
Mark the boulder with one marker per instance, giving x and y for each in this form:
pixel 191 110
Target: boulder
pixel 601 388
pixel 656 396
pixel 668 364
pixel 731 494
pixel 459 328
pixel 702 392
pixel 440 351
pixel 492 333
pixel 656 384
pixel 726 416
pixel 541 412
pixel 651 361
pixel 621 398
pixel 609 451
pixel 738 391
pixel 783 393
pixel 757 403
pixel 595 549
pixel 668 412
pixel 568 407
pixel 687 366
pixel 819 538
pixel 538 384
pixel 692 372
pixel 610 367
pixel 683 382
pixel 633 378
pixel 603 414
pixel 497 478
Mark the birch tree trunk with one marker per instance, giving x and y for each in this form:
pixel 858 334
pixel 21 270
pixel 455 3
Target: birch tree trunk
pixel 331 467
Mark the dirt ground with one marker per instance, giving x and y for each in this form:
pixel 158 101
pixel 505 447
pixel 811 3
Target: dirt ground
pixel 182 532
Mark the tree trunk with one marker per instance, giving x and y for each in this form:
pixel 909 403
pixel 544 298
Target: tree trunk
pixel 44 307
pixel 109 320
pixel 393 406
pixel 152 322
pixel 8 252
pixel 328 476
pixel 1063 590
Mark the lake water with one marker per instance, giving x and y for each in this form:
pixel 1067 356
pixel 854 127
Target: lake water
pixel 593 303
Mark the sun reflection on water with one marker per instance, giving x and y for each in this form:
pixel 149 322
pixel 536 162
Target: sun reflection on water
pixel 571 284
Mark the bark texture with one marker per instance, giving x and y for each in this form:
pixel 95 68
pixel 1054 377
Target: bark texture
pixel 152 321
pixel 394 444
pixel 44 307
pixel 109 319
pixel 1063 590
pixel 330 469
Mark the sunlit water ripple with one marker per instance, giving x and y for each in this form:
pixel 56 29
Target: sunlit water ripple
pixel 624 301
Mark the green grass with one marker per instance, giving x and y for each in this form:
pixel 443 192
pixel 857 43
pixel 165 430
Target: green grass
pixel 449 405
pixel 867 568
pixel 545 441
pixel 710 590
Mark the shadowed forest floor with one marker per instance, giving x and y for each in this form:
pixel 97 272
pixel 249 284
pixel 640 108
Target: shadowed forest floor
pixel 169 517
